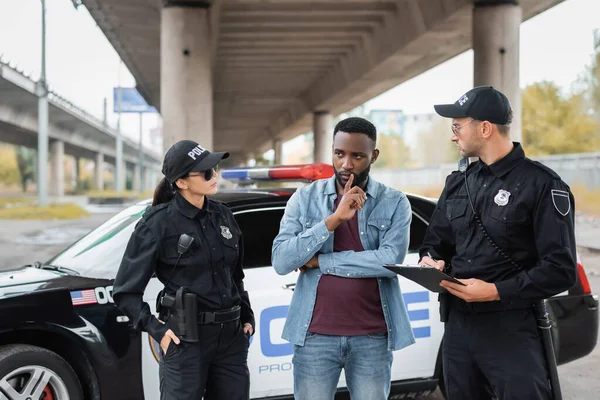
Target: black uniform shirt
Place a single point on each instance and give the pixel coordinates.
(527, 210)
(211, 267)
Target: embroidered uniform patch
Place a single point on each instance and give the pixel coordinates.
(561, 201)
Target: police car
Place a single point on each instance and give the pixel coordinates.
(61, 336)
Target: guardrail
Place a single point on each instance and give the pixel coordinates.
(574, 169)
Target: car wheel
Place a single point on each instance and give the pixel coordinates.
(34, 373)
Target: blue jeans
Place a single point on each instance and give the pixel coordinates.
(318, 364)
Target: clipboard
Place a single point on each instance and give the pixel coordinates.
(426, 276)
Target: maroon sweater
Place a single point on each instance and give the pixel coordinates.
(347, 306)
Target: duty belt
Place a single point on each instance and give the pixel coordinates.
(217, 317)
(487, 306)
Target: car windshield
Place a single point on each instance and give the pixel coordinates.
(98, 254)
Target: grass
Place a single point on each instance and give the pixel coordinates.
(110, 193)
(114, 194)
(13, 201)
(50, 212)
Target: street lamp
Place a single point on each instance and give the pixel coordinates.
(42, 181)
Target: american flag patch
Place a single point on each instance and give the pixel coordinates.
(80, 297)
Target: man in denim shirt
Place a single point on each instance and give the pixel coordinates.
(347, 310)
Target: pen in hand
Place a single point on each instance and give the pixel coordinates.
(435, 263)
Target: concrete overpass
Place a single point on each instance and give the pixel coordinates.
(243, 75)
(71, 131)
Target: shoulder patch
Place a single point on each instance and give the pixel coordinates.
(561, 201)
(545, 168)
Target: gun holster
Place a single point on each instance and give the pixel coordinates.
(181, 313)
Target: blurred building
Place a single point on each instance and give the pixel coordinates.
(390, 122)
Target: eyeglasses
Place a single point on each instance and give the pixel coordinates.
(456, 128)
(208, 174)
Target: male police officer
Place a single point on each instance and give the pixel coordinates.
(504, 227)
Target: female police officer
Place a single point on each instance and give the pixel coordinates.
(194, 246)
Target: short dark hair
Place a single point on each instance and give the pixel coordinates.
(505, 129)
(357, 125)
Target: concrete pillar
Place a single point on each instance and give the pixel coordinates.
(148, 184)
(153, 178)
(137, 178)
(186, 90)
(278, 148)
(323, 136)
(99, 172)
(76, 173)
(57, 168)
(496, 52)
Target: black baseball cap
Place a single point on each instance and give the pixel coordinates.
(188, 156)
(483, 103)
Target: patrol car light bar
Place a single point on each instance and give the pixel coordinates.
(303, 172)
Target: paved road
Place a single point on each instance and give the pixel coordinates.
(23, 242)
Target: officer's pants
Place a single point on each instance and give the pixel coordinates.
(216, 366)
(494, 352)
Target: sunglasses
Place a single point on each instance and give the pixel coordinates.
(208, 174)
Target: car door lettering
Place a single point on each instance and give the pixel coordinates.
(104, 294)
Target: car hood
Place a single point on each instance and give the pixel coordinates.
(29, 279)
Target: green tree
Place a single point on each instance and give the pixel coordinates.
(557, 124)
(594, 74)
(393, 152)
(9, 171)
(588, 82)
(26, 163)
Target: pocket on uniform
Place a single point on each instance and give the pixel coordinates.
(508, 222)
(456, 209)
(509, 215)
(455, 212)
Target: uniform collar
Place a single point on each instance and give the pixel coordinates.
(188, 209)
(506, 164)
(372, 187)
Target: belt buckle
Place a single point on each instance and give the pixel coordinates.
(209, 318)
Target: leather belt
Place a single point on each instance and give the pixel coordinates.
(217, 317)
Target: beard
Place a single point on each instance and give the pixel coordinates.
(359, 179)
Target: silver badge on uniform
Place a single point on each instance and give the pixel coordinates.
(502, 197)
(561, 201)
(225, 232)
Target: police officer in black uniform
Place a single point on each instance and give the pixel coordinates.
(504, 226)
(194, 246)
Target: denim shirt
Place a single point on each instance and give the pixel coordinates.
(384, 226)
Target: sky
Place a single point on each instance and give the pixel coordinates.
(83, 67)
